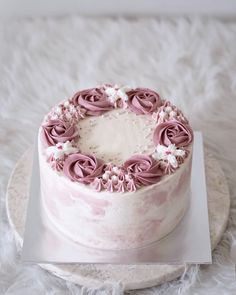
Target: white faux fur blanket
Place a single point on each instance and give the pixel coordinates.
(192, 62)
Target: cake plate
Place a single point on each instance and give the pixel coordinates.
(130, 276)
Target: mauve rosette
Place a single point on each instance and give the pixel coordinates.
(173, 132)
(143, 169)
(55, 131)
(83, 168)
(143, 101)
(94, 100)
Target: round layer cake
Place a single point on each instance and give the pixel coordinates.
(115, 166)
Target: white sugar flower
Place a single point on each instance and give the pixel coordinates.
(115, 93)
(60, 149)
(169, 154)
(112, 94)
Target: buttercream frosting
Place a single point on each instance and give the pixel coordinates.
(83, 168)
(93, 100)
(143, 100)
(55, 131)
(173, 132)
(143, 169)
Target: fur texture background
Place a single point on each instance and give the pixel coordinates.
(190, 61)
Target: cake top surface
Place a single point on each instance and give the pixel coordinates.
(117, 135)
(115, 138)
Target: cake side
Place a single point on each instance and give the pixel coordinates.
(114, 220)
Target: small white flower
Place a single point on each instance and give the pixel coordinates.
(115, 93)
(112, 94)
(169, 154)
(60, 149)
(55, 151)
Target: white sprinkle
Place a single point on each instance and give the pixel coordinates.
(114, 178)
(162, 114)
(66, 103)
(168, 109)
(68, 116)
(115, 169)
(173, 114)
(105, 176)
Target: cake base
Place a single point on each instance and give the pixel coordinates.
(131, 276)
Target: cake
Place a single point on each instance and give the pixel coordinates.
(115, 166)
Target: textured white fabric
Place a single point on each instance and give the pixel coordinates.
(190, 61)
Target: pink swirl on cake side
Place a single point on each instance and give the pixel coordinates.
(83, 168)
(143, 169)
(55, 131)
(173, 132)
(143, 101)
(93, 100)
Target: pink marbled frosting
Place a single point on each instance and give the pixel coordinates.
(114, 221)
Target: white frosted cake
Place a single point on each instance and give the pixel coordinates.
(115, 167)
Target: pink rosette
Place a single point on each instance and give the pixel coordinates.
(143, 169)
(83, 168)
(173, 132)
(93, 100)
(143, 101)
(55, 131)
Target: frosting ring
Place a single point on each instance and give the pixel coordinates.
(172, 137)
